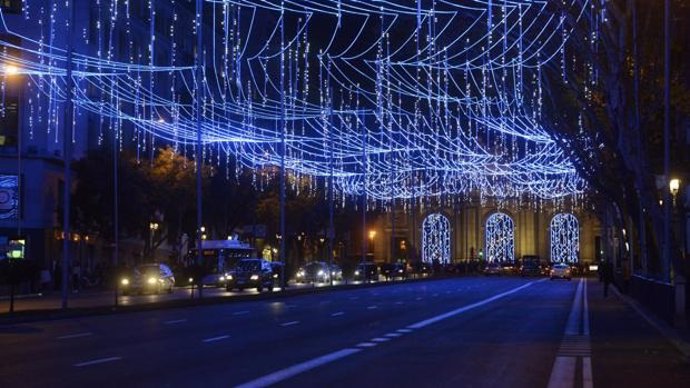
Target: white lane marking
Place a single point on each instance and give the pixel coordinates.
(97, 361)
(366, 345)
(214, 339)
(463, 309)
(77, 335)
(399, 302)
(587, 380)
(372, 307)
(418, 298)
(339, 313)
(289, 323)
(404, 331)
(380, 339)
(393, 335)
(175, 321)
(294, 370)
(563, 373)
(244, 312)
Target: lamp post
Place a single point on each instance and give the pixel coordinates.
(372, 235)
(674, 188)
(153, 227)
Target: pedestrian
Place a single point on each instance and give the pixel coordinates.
(607, 277)
(76, 276)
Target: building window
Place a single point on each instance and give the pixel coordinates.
(500, 238)
(436, 239)
(9, 122)
(565, 238)
(11, 6)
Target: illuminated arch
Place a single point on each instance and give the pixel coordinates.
(500, 238)
(436, 238)
(565, 238)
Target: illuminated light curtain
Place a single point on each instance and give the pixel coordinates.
(500, 238)
(449, 93)
(565, 238)
(436, 239)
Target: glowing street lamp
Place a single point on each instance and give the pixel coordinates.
(11, 69)
(674, 188)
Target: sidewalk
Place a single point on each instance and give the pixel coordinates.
(632, 348)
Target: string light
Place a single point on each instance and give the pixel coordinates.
(444, 106)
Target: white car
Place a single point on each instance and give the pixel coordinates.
(561, 271)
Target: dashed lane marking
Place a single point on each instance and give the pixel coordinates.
(175, 321)
(97, 361)
(380, 339)
(372, 307)
(77, 335)
(286, 373)
(291, 323)
(214, 339)
(366, 345)
(339, 313)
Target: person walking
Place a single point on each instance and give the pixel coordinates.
(607, 277)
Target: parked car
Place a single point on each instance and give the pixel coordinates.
(530, 268)
(252, 273)
(393, 270)
(148, 278)
(421, 269)
(492, 268)
(336, 272)
(367, 271)
(561, 271)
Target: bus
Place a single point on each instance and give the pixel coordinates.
(219, 257)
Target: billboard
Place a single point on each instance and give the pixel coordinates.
(9, 197)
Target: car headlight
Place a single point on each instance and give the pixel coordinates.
(191, 280)
(222, 278)
(152, 281)
(125, 282)
(275, 276)
(356, 273)
(254, 277)
(320, 273)
(300, 274)
(228, 277)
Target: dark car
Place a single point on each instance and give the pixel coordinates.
(393, 271)
(148, 278)
(251, 273)
(314, 272)
(492, 268)
(530, 268)
(367, 271)
(421, 269)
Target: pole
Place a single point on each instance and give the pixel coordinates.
(666, 262)
(116, 210)
(364, 201)
(331, 227)
(199, 152)
(281, 254)
(67, 151)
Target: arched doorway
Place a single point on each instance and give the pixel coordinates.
(565, 238)
(499, 238)
(436, 239)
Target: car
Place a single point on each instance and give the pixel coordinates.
(251, 273)
(493, 268)
(508, 268)
(561, 271)
(336, 271)
(367, 271)
(314, 272)
(393, 271)
(421, 269)
(148, 278)
(530, 268)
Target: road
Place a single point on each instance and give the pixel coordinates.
(479, 332)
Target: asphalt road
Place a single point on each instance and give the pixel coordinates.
(479, 332)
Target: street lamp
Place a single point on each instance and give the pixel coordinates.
(372, 235)
(153, 227)
(674, 188)
(11, 70)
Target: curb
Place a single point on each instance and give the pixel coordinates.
(27, 316)
(666, 331)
